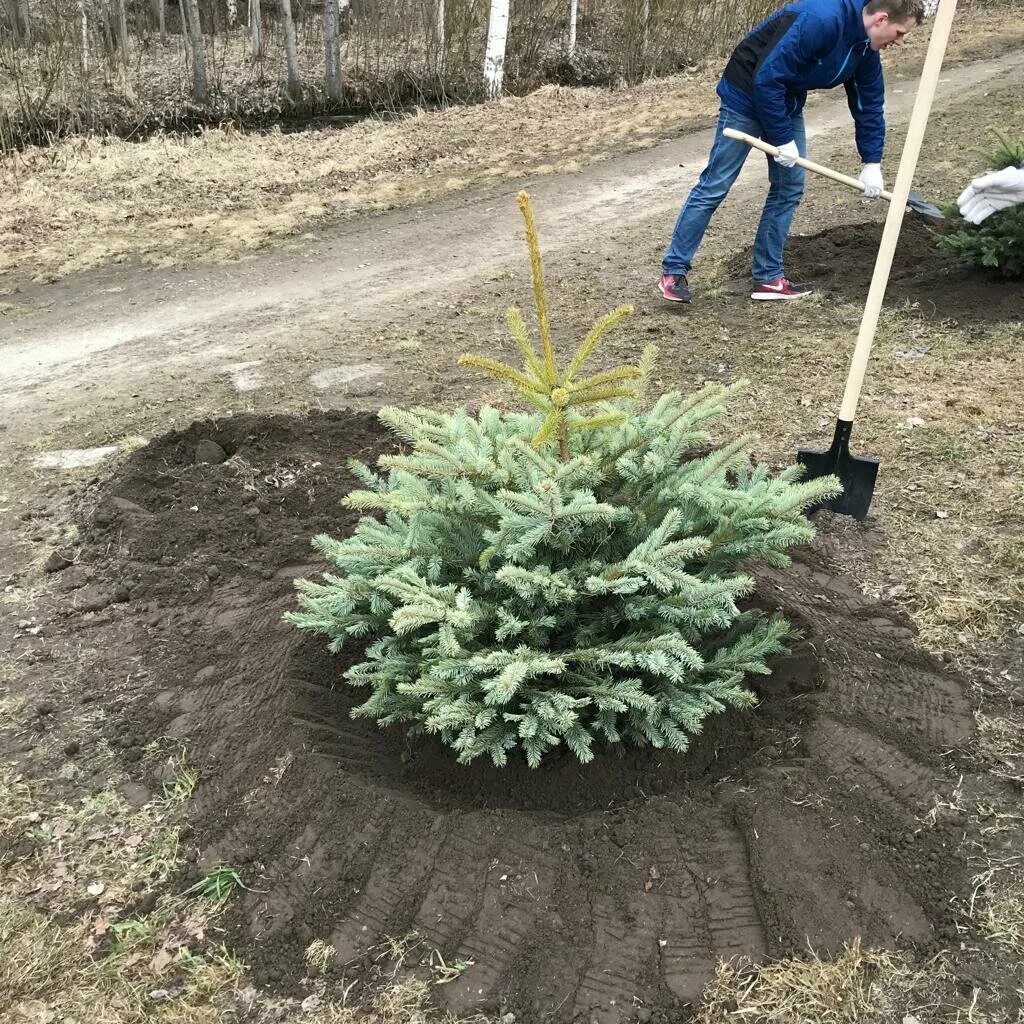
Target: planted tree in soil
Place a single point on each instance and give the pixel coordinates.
(569, 574)
(997, 244)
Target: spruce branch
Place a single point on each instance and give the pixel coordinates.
(517, 327)
(540, 383)
(539, 297)
(504, 372)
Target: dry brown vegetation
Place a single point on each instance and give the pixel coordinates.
(221, 193)
(61, 79)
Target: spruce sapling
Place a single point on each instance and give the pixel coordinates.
(565, 576)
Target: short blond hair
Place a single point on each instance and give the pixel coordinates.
(898, 10)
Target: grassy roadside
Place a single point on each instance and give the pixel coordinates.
(99, 924)
(221, 194)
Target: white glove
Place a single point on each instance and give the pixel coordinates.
(996, 191)
(787, 155)
(872, 180)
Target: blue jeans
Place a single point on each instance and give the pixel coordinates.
(724, 165)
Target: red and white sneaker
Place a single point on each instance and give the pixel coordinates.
(781, 290)
(675, 288)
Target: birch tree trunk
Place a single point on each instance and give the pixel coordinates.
(332, 51)
(232, 13)
(194, 31)
(121, 27)
(83, 18)
(439, 31)
(494, 58)
(573, 8)
(290, 50)
(645, 31)
(255, 30)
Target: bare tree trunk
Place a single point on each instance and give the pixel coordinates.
(194, 31)
(121, 27)
(439, 29)
(83, 16)
(107, 40)
(232, 13)
(25, 17)
(158, 8)
(494, 58)
(290, 50)
(573, 6)
(645, 31)
(332, 51)
(255, 30)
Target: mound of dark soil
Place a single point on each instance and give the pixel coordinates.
(599, 893)
(840, 261)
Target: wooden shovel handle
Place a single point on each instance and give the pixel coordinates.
(809, 165)
(898, 207)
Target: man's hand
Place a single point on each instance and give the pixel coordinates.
(996, 191)
(872, 180)
(787, 155)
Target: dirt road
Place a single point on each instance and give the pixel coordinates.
(122, 331)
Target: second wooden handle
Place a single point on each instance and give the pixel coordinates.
(808, 165)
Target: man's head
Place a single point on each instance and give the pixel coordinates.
(887, 22)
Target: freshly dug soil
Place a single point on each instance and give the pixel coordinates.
(598, 893)
(927, 279)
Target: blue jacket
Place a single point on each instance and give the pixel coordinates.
(809, 44)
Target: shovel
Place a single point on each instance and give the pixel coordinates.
(915, 200)
(857, 473)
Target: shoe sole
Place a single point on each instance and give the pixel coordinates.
(671, 298)
(762, 297)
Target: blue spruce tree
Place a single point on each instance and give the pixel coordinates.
(567, 575)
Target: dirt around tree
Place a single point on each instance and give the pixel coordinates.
(598, 893)
(925, 280)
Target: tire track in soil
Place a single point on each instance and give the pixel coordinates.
(577, 893)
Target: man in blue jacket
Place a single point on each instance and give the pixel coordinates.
(810, 44)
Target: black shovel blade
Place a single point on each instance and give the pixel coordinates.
(919, 204)
(856, 473)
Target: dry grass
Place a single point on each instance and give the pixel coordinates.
(74, 943)
(856, 987)
(862, 986)
(997, 905)
(954, 514)
(222, 194)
